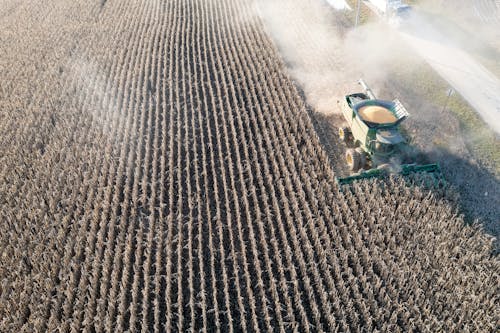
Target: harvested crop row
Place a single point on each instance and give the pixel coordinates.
(168, 178)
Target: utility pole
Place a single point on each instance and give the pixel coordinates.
(357, 13)
(449, 93)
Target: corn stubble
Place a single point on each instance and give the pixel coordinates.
(159, 172)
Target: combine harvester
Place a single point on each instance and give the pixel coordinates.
(373, 137)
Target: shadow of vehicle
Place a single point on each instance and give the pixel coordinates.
(478, 190)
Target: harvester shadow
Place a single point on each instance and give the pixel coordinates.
(326, 127)
(478, 190)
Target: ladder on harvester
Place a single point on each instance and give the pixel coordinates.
(399, 110)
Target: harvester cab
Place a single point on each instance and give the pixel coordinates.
(372, 135)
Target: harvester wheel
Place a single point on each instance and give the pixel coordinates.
(362, 158)
(344, 134)
(353, 159)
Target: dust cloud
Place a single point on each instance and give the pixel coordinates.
(327, 57)
(323, 56)
(88, 76)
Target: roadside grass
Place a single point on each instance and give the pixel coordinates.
(481, 141)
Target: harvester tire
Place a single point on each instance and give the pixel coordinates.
(353, 159)
(344, 134)
(362, 158)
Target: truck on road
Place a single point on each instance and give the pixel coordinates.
(394, 11)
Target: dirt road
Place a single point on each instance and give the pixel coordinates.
(467, 76)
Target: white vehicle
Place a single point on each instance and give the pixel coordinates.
(394, 11)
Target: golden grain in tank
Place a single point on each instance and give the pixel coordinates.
(377, 114)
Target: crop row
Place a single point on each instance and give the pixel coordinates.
(167, 177)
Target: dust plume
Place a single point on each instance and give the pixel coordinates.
(323, 56)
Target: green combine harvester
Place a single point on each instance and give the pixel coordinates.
(373, 138)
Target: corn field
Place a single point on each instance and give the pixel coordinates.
(159, 172)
